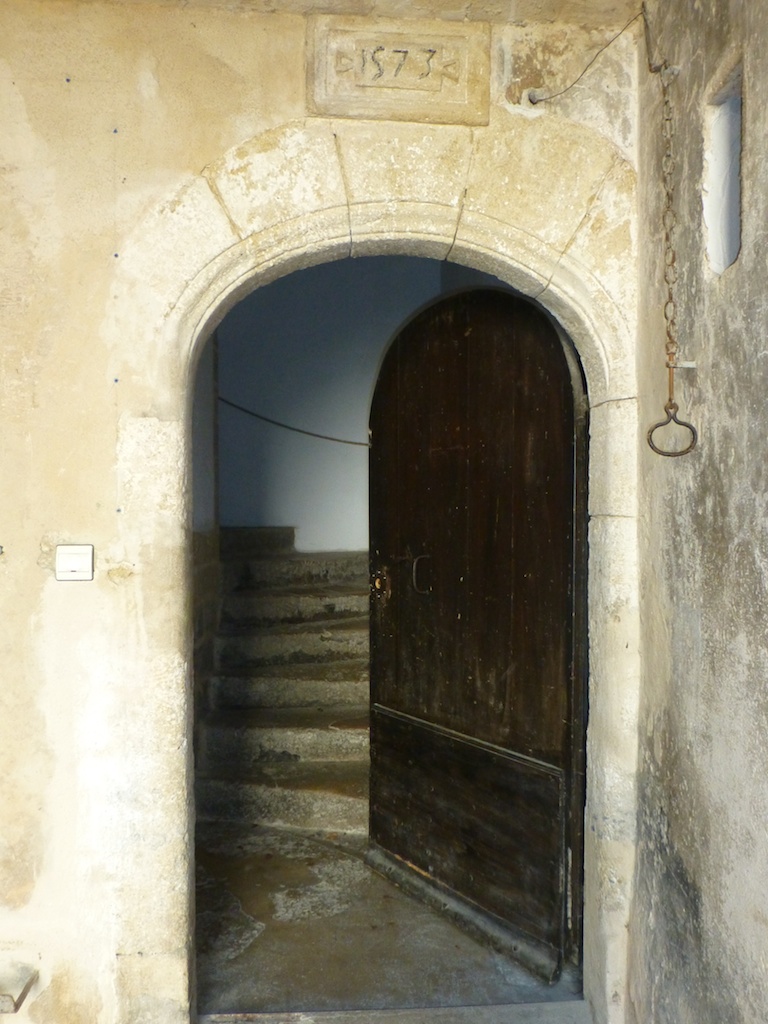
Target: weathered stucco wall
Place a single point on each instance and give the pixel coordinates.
(160, 162)
(104, 112)
(599, 14)
(700, 929)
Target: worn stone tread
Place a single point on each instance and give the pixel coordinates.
(329, 718)
(345, 778)
(311, 627)
(240, 740)
(307, 794)
(238, 646)
(297, 588)
(243, 542)
(284, 739)
(308, 671)
(296, 566)
(246, 693)
(293, 684)
(296, 603)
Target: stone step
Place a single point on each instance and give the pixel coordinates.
(322, 640)
(298, 685)
(297, 603)
(316, 795)
(290, 568)
(232, 743)
(255, 541)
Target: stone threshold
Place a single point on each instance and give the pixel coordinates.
(570, 1012)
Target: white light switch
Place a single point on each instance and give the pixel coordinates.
(74, 562)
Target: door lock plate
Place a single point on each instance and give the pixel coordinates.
(380, 586)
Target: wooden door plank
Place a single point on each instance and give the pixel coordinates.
(474, 444)
(480, 823)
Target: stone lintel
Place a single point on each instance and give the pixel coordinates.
(428, 71)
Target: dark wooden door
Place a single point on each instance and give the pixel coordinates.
(477, 716)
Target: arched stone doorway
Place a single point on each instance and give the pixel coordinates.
(313, 191)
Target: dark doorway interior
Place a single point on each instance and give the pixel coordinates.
(284, 907)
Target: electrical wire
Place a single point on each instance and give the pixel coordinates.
(532, 98)
(287, 426)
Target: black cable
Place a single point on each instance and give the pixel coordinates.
(542, 99)
(287, 426)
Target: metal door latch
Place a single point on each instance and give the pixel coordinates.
(380, 587)
(414, 576)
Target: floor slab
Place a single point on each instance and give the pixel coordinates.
(291, 922)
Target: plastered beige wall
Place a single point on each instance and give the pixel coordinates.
(599, 14)
(159, 163)
(700, 934)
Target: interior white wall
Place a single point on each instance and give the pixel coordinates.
(306, 350)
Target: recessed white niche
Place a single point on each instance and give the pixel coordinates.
(721, 195)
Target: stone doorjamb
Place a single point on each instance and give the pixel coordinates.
(318, 190)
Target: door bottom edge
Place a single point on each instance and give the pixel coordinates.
(537, 957)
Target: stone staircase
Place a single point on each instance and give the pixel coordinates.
(283, 737)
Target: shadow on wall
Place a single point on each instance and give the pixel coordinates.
(306, 350)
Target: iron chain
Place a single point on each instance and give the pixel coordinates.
(669, 222)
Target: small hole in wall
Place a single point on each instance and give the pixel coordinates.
(721, 196)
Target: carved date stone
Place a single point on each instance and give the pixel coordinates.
(432, 71)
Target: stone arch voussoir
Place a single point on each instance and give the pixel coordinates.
(545, 205)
